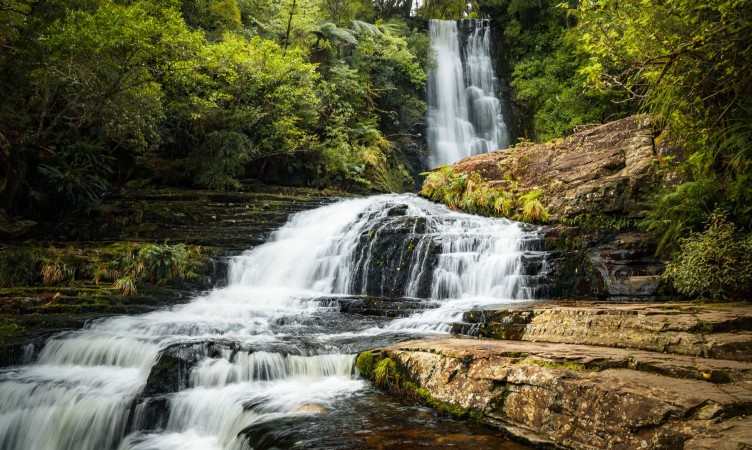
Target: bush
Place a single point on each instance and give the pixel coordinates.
(714, 264)
(532, 209)
(221, 159)
(78, 173)
(126, 265)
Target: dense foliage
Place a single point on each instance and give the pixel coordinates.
(716, 263)
(543, 61)
(688, 64)
(96, 92)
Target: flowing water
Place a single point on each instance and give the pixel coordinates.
(464, 115)
(268, 360)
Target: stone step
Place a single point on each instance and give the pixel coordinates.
(579, 396)
(711, 331)
(383, 307)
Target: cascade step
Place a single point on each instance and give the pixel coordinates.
(680, 328)
(384, 307)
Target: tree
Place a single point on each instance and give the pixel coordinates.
(688, 64)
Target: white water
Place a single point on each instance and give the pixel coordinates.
(279, 353)
(464, 115)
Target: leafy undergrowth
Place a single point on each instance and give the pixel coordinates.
(472, 194)
(123, 266)
(713, 264)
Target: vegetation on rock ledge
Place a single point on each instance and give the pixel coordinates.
(472, 194)
(124, 266)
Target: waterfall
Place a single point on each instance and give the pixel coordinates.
(269, 346)
(464, 115)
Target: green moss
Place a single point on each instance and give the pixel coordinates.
(9, 328)
(365, 364)
(386, 375)
(514, 354)
(597, 221)
(443, 407)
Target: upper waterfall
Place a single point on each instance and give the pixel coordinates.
(464, 115)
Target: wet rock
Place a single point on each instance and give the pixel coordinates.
(384, 307)
(595, 185)
(171, 372)
(399, 210)
(151, 414)
(386, 253)
(273, 434)
(601, 264)
(232, 221)
(309, 408)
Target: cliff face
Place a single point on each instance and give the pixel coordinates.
(603, 171)
(591, 189)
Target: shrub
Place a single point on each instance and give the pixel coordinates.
(446, 186)
(715, 264)
(164, 262)
(473, 194)
(221, 159)
(78, 172)
(126, 265)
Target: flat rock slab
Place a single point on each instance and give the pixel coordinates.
(580, 396)
(712, 331)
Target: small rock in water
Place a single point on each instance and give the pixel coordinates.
(308, 407)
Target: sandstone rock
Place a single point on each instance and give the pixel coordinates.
(309, 408)
(723, 332)
(574, 396)
(381, 306)
(594, 186)
(606, 169)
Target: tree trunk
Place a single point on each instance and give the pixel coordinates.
(289, 25)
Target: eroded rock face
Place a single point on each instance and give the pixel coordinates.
(606, 170)
(593, 263)
(578, 396)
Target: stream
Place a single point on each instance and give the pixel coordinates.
(268, 361)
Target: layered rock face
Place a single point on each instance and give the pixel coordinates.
(573, 389)
(685, 329)
(606, 170)
(594, 186)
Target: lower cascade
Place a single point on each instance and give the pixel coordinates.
(244, 366)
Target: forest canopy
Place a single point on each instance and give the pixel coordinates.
(205, 92)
